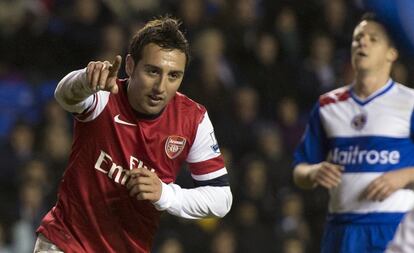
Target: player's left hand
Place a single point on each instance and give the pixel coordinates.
(144, 184)
(385, 185)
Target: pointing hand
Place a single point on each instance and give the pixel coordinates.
(103, 75)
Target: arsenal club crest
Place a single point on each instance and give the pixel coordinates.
(174, 145)
(359, 121)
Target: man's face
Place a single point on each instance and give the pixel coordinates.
(371, 49)
(155, 79)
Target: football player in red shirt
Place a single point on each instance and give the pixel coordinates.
(131, 138)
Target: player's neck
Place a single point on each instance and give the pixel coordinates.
(368, 83)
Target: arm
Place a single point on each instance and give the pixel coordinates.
(211, 197)
(74, 91)
(214, 199)
(301, 176)
(195, 203)
(389, 182)
(308, 176)
(310, 167)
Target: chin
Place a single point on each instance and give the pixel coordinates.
(360, 67)
(153, 110)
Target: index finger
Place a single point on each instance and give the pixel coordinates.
(113, 70)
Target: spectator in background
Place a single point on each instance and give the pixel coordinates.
(193, 17)
(31, 210)
(286, 28)
(256, 189)
(267, 74)
(128, 10)
(54, 142)
(83, 33)
(290, 122)
(171, 245)
(238, 130)
(319, 73)
(224, 241)
(252, 234)
(36, 171)
(291, 221)
(4, 248)
(113, 41)
(212, 78)
(16, 152)
(54, 116)
(337, 25)
(241, 27)
(273, 152)
(292, 244)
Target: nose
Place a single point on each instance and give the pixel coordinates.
(363, 41)
(160, 85)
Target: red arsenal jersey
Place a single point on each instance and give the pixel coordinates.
(94, 212)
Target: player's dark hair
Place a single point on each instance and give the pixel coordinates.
(371, 16)
(164, 32)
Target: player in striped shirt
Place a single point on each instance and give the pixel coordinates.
(359, 145)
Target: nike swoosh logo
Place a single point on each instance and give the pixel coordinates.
(120, 121)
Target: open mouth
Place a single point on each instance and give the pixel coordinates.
(362, 54)
(155, 99)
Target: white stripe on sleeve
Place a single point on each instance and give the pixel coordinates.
(78, 79)
(210, 175)
(205, 145)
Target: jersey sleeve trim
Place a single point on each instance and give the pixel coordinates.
(313, 146)
(218, 181)
(86, 113)
(205, 167)
(209, 176)
(205, 145)
(100, 100)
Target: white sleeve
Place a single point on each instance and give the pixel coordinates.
(213, 197)
(91, 106)
(404, 237)
(205, 145)
(195, 203)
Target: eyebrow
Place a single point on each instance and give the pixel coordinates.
(375, 34)
(177, 72)
(156, 67)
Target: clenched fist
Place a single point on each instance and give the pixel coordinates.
(144, 184)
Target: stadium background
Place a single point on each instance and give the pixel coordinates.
(258, 66)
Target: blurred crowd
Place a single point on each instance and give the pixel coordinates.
(257, 65)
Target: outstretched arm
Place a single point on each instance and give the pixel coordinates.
(74, 89)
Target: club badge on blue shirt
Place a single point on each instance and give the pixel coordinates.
(359, 121)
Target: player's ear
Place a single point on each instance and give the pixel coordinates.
(129, 65)
(392, 54)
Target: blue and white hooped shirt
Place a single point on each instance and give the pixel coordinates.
(368, 137)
